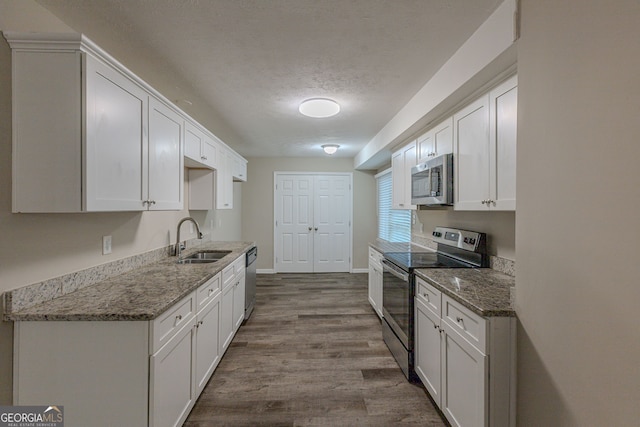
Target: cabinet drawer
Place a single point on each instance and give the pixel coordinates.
(207, 291)
(468, 324)
(170, 322)
(375, 256)
(430, 296)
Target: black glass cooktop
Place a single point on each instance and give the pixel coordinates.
(411, 260)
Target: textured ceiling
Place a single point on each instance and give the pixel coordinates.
(254, 61)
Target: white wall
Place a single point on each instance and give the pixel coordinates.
(257, 200)
(36, 247)
(577, 227)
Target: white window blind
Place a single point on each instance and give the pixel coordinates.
(394, 225)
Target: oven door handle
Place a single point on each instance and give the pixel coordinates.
(387, 266)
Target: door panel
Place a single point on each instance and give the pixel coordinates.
(294, 224)
(313, 214)
(332, 216)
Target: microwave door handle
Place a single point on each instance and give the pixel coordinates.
(394, 270)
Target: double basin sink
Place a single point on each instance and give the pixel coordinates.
(203, 257)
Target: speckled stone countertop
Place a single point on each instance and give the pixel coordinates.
(141, 294)
(484, 291)
(383, 246)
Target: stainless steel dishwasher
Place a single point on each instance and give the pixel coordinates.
(250, 282)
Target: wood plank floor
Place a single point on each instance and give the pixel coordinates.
(311, 355)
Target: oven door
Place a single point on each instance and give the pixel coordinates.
(396, 301)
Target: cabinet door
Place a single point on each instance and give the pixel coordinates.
(166, 174)
(425, 146)
(193, 140)
(207, 343)
(171, 390)
(428, 341)
(378, 289)
(464, 398)
(239, 169)
(226, 318)
(397, 180)
(115, 174)
(443, 138)
(224, 181)
(238, 301)
(503, 136)
(209, 153)
(401, 163)
(471, 156)
(372, 285)
(410, 160)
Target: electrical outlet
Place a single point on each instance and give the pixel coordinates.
(106, 245)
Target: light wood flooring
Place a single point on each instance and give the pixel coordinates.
(311, 355)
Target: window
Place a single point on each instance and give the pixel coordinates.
(394, 225)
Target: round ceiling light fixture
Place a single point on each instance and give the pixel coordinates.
(319, 107)
(330, 148)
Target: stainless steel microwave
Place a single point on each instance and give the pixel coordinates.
(432, 182)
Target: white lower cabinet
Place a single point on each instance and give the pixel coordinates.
(140, 373)
(208, 352)
(171, 390)
(375, 281)
(233, 296)
(465, 361)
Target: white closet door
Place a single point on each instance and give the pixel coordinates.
(294, 223)
(331, 223)
(312, 223)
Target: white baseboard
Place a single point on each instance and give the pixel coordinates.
(359, 270)
(265, 271)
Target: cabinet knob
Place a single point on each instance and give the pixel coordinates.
(315, 228)
(179, 317)
(459, 319)
(203, 157)
(210, 291)
(426, 296)
(153, 202)
(310, 228)
(435, 326)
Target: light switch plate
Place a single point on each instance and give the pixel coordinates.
(106, 245)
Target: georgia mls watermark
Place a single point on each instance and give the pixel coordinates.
(32, 416)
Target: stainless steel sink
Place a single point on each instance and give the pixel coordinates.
(203, 257)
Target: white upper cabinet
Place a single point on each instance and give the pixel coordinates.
(239, 172)
(485, 151)
(224, 180)
(82, 129)
(200, 149)
(436, 142)
(503, 137)
(401, 163)
(166, 167)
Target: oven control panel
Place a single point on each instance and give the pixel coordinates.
(463, 239)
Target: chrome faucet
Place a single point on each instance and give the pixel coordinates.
(198, 234)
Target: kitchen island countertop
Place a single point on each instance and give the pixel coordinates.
(141, 294)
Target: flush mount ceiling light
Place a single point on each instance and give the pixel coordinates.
(330, 148)
(319, 108)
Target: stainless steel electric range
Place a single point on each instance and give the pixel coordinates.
(456, 249)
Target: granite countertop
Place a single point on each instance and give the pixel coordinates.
(383, 246)
(141, 294)
(484, 291)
